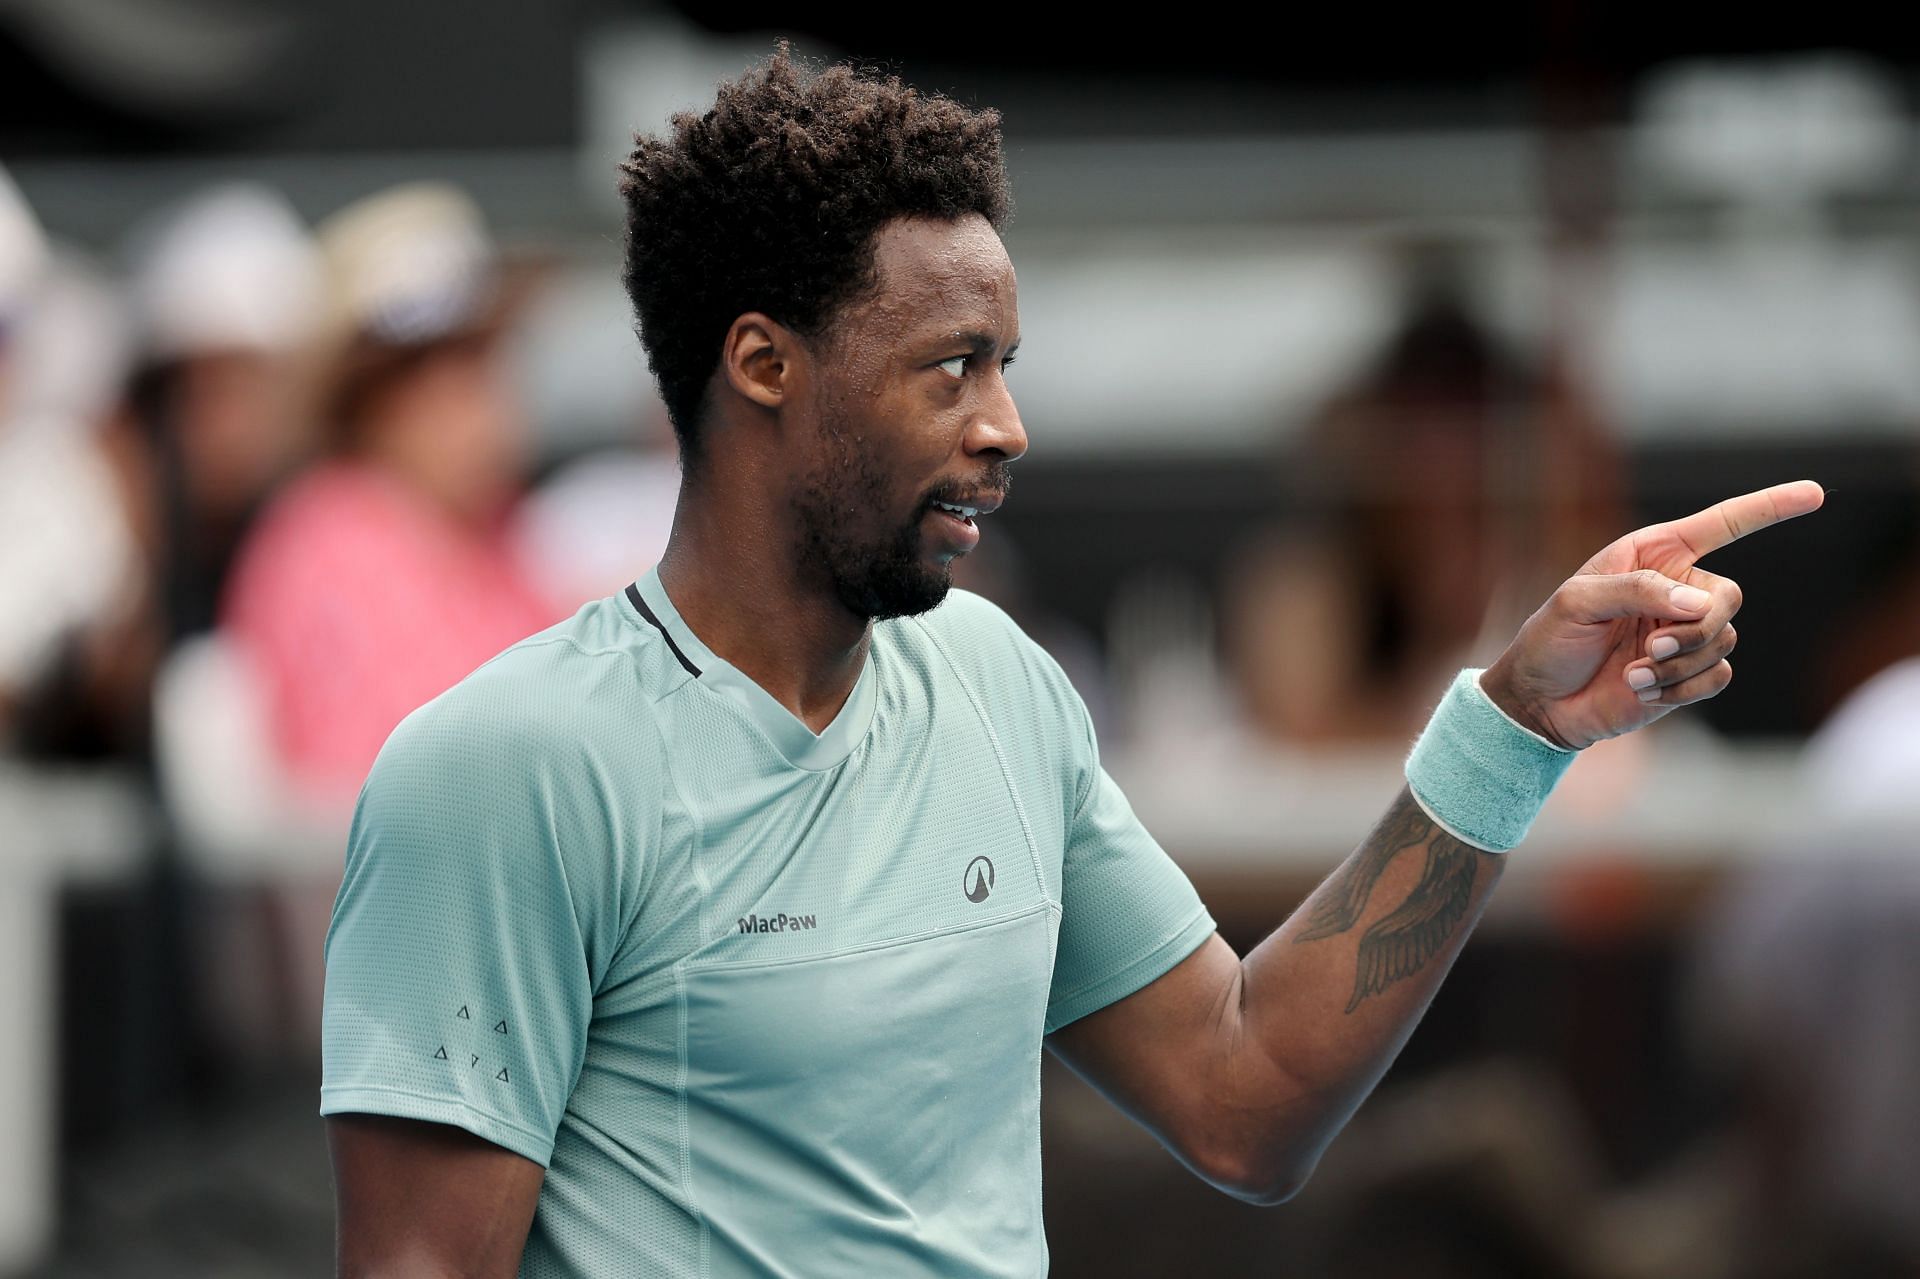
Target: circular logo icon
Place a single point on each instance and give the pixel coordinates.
(978, 881)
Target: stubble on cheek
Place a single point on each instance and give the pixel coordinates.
(846, 537)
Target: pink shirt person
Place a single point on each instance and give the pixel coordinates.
(356, 602)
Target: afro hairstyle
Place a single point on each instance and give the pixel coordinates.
(770, 200)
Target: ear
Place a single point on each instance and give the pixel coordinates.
(762, 359)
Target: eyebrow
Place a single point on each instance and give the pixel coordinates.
(982, 342)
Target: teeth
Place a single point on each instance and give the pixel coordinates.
(965, 512)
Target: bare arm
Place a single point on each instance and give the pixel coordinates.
(1247, 1069)
(1291, 1040)
(427, 1201)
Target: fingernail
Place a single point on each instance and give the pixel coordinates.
(1663, 647)
(1640, 677)
(1650, 694)
(1690, 598)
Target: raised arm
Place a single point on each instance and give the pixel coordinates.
(1247, 1068)
(427, 1201)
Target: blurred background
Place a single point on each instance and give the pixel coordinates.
(1347, 334)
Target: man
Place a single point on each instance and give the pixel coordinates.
(717, 930)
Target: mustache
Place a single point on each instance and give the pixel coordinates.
(990, 488)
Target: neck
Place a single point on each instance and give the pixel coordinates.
(730, 569)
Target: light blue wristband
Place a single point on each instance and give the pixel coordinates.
(1478, 774)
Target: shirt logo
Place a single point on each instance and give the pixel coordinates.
(781, 923)
(977, 882)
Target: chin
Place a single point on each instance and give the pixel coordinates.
(900, 592)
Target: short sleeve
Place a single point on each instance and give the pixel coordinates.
(1128, 912)
(484, 894)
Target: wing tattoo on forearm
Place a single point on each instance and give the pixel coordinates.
(1345, 895)
(1401, 943)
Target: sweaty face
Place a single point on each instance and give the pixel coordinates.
(913, 426)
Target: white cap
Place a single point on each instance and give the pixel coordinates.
(73, 348)
(412, 264)
(407, 268)
(229, 269)
(23, 249)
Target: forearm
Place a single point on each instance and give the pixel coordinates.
(1247, 1067)
(1324, 1005)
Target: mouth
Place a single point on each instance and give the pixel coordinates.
(954, 521)
(965, 511)
(964, 514)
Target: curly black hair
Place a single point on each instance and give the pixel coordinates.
(770, 200)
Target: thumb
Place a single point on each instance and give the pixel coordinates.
(1603, 597)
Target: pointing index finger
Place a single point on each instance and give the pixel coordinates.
(1729, 521)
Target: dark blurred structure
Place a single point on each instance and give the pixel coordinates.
(1879, 622)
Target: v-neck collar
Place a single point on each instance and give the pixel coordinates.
(649, 604)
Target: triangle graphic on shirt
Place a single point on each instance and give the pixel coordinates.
(501, 1028)
(463, 1014)
(442, 1054)
(502, 1076)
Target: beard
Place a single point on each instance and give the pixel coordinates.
(875, 574)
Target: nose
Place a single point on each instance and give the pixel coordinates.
(997, 427)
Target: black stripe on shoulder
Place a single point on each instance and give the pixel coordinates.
(633, 593)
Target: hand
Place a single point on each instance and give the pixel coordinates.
(1639, 630)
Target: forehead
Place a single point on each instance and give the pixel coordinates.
(936, 274)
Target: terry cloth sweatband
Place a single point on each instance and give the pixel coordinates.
(1478, 774)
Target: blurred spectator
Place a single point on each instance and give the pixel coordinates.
(225, 290)
(132, 506)
(381, 577)
(1434, 503)
(1863, 765)
(1807, 980)
(1811, 969)
(76, 642)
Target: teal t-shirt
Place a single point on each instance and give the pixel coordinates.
(762, 1002)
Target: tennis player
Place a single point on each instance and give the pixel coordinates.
(718, 930)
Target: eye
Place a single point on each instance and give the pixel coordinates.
(956, 366)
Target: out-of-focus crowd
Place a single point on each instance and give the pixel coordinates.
(264, 490)
(261, 494)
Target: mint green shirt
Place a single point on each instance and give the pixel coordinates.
(762, 1002)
